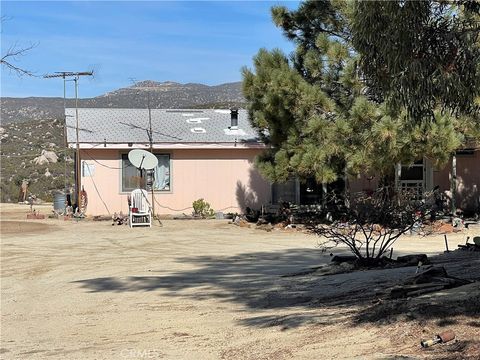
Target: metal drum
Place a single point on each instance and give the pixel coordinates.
(59, 201)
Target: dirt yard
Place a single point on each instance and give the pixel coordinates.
(212, 290)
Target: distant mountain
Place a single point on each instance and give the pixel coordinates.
(31, 108)
(166, 94)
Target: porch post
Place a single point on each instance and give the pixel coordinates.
(398, 175)
(324, 195)
(453, 183)
(297, 191)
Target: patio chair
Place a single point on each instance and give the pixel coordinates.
(139, 212)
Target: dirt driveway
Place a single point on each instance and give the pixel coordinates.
(187, 290)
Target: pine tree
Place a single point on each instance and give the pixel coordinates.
(421, 55)
(319, 116)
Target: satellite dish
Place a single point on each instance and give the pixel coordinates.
(142, 159)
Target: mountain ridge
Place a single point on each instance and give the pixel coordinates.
(142, 94)
(32, 125)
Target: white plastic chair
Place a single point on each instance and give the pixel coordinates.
(143, 214)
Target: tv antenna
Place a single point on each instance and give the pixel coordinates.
(72, 76)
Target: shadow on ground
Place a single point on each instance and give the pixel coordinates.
(444, 307)
(254, 280)
(248, 278)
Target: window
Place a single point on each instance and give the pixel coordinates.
(159, 177)
(284, 192)
(412, 179)
(413, 172)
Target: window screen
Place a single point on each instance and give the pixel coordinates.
(159, 177)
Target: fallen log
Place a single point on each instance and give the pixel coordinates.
(407, 290)
(431, 280)
(413, 259)
(425, 291)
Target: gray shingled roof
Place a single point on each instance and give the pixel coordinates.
(169, 126)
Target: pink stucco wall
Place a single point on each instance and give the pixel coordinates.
(225, 178)
(468, 180)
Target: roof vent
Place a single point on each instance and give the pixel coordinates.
(198, 130)
(234, 119)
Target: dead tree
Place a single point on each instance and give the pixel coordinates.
(371, 223)
(13, 54)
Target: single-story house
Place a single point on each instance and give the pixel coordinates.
(205, 154)
(209, 154)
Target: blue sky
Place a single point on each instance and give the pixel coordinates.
(204, 42)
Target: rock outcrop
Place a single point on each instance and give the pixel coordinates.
(46, 157)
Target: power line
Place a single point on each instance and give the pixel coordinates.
(99, 163)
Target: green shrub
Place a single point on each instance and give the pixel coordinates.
(202, 208)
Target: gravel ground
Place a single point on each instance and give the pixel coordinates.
(211, 290)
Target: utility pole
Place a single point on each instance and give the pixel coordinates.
(76, 76)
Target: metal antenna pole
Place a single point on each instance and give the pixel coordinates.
(65, 152)
(77, 153)
(76, 77)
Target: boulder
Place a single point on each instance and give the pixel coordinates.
(46, 157)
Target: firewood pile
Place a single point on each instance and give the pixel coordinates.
(434, 278)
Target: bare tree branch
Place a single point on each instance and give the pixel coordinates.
(13, 54)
